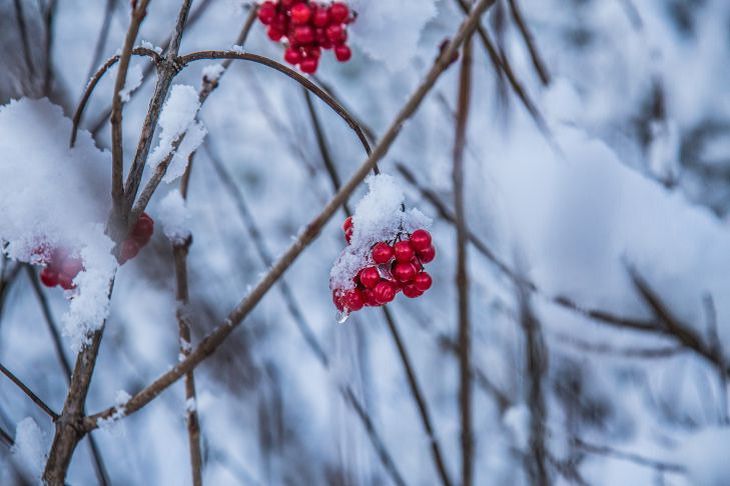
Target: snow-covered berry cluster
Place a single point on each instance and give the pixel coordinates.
(393, 266)
(307, 28)
(61, 265)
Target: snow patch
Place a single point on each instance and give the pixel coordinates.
(174, 215)
(30, 447)
(134, 80)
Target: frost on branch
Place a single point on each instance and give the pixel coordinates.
(56, 197)
(178, 119)
(134, 80)
(30, 447)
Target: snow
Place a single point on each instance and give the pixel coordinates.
(382, 24)
(212, 72)
(174, 216)
(191, 405)
(178, 119)
(378, 217)
(53, 196)
(30, 447)
(149, 45)
(517, 422)
(705, 456)
(134, 80)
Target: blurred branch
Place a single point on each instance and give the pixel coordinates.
(628, 456)
(41, 404)
(103, 36)
(216, 337)
(711, 314)
(25, 41)
(49, 16)
(6, 438)
(462, 277)
(6, 279)
(537, 61)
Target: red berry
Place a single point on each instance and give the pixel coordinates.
(347, 224)
(143, 229)
(304, 34)
(292, 56)
(313, 51)
(338, 12)
(353, 300)
(300, 13)
(427, 255)
(267, 12)
(274, 33)
(422, 281)
(369, 277)
(343, 53)
(403, 251)
(348, 235)
(420, 239)
(280, 22)
(411, 291)
(66, 281)
(309, 65)
(320, 17)
(287, 3)
(48, 277)
(404, 272)
(71, 267)
(368, 296)
(336, 34)
(382, 252)
(384, 292)
(128, 250)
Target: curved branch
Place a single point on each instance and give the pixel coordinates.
(137, 51)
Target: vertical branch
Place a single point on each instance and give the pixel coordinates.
(48, 19)
(23, 29)
(537, 61)
(462, 279)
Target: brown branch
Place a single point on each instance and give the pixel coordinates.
(215, 338)
(19, 383)
(537, 61)
(49, 16)
(103, 36)
(462, 277)
(628, 456)
(139, 12)
(137, 51)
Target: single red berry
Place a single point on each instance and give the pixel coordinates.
(353, 300)
(338, 12)
(347, 224)
(309, 65)
(280, 22)
(411, 291)
(348, 235)
(427, 255)
(369, 277)
(143, 229)
(314, 51)
(267, 12)
(48, 277)
(66, 281)
(304, 34)
(404, 271)
(320, 17)
(403, 251)
(384, 292)
(382, 252)
(336, 34)
(292, 56)
(274, 33)
(343, 53)
(71, 267)
(420, 239)
(300, 13)
(128, 250)
(422, 281)
(368, 296)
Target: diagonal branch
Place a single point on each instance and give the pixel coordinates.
(19, 383)
(537, 61)
(216, 337)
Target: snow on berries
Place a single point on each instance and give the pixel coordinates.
(306, 28)
(387, 249)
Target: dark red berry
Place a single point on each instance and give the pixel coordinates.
(336, 34)
(143, 229)
(309, 65)
(320, 17)
(422, 281)
(353, 300)
(304, 34)
(411, 291)
(267, 12)
(274, 33)
(368, 296)
(313, 51)
(427, 255)
(420, 239)
(338, 12)
(48, 277)
(384, 292)
(348, 235)
(128, 250)
(404, 271)
(66, 281)
(343, 53)
(347, 224)
(403, 251)
(287, 3)
(369, 277)
(292, 56)
(382, 252)
(300, 13)
(280, 22)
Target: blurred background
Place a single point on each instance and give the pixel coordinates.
(597, 169)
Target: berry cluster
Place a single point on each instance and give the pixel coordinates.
(397, 265)
(308, 28)
(61, 267)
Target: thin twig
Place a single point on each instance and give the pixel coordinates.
(41, 404)
(216, 337)
(629, 456)
(103, 36)
(49, 16)
(462, 277)
(23, 29)
(537, 61)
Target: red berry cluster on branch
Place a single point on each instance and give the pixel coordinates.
(308, 27)
(138, 237)
(395, 266)
(61, 269)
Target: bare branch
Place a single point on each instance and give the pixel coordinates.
(629, 456)
(103, 36)
(23, 29)
(215, 338)
(41, 404)
(711, 314)
(537, 61)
